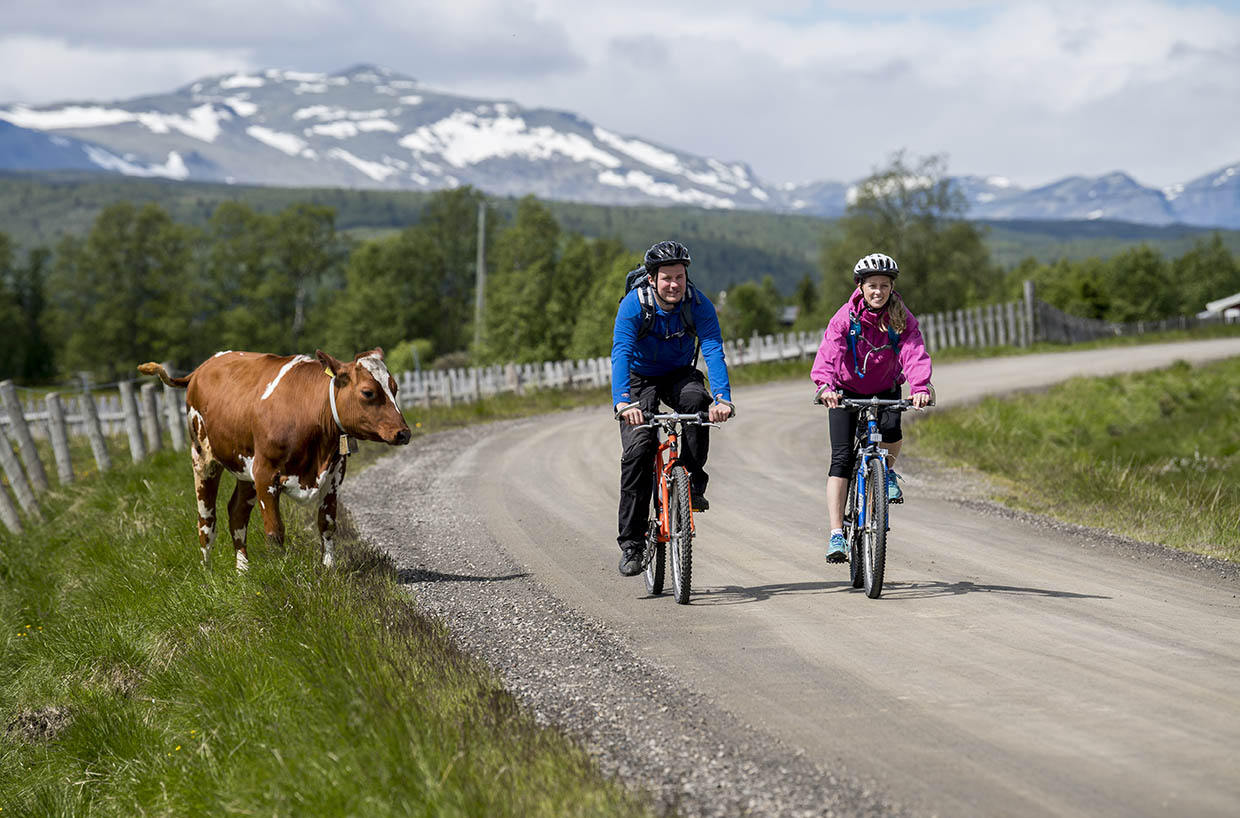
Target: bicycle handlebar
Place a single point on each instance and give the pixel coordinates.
(694, 418)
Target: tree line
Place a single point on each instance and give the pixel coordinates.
(140, 285)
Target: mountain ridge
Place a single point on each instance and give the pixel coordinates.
(370, 127)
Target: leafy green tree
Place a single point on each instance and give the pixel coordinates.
(35, 355)
(124, 294)
(912, 212)
(806, 297)
(392, 294)
(1140, 286)
(1205, 273)
(304, 248)
(236, 267)
(596, 310)
(524, 283)
(10, 314)
(451, 220)
(749, 308)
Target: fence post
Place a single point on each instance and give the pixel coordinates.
(133, 426)
(150, 418)
(1030, 294)
(17, 479)
(172, 409)
(8, 513)
(94, 431)
(58, 431)
(21, 433)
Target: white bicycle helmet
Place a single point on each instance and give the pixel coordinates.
(875, 264)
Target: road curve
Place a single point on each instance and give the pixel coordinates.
(1010, 668)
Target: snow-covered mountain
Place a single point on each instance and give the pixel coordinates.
(370, 127)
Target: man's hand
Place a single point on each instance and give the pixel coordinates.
(719, 412)
(631, 413)
(920, 400)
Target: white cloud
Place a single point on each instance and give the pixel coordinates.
(41, 69)
(799, 89)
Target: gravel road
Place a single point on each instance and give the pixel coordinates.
(1014, 666)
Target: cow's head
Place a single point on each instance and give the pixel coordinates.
(366, 398)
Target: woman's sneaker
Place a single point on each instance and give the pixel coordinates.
(837, 551)
(894, 495)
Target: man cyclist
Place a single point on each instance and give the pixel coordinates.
(659, 325)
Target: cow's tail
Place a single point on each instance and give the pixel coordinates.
(153, 368)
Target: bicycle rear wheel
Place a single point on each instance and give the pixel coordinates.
(853, 536)
(874, 534)
(680, 518)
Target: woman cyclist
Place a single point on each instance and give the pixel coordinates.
(871, 346)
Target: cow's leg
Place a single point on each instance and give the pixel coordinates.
(207, 473)
(267, 485)
(327, 513)
(239, 507)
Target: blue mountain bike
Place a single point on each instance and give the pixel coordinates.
(865, 511)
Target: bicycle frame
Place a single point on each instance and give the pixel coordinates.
(863, 454)
(670, 448)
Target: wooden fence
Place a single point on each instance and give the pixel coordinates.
(147, 414)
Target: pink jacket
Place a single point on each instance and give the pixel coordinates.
(834, 364)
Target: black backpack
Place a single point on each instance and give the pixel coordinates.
(637, 278)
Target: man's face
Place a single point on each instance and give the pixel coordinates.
(669, 283)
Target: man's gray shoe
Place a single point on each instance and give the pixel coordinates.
(631, 559)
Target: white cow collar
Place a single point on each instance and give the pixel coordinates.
(331, 396)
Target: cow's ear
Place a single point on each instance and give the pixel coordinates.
(376, 352)
(331, 366)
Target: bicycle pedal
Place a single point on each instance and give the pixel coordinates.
(897, 500)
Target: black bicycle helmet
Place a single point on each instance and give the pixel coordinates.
(875, 264)
(665, 252)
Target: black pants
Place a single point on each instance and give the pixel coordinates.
(842, 425)
(684, 390)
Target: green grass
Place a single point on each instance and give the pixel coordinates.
(1155, 455)
(134, 682)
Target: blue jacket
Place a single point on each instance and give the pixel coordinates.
(657, 353)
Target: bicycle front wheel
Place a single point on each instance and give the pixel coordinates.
(852, 535)
(681, 530)
(874, 534)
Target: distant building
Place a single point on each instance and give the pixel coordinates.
(1227, 308)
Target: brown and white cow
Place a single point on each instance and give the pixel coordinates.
(277, 423)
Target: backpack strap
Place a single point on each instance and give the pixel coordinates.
(645, 298)
(854, 332)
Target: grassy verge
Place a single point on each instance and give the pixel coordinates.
(133, 682)
(1154, 455)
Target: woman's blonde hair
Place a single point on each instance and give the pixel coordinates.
(897, 315)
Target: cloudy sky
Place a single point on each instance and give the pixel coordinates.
(800, 89)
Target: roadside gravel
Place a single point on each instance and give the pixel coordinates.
(641, 726)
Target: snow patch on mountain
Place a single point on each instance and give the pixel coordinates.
(375, 170)
(464, 138)
(664, 190)
(174, 168)
(289, 143)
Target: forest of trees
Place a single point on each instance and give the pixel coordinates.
(140, 285)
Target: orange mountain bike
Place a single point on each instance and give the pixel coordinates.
(671, 516)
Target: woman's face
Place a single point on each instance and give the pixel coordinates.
(876, 290)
